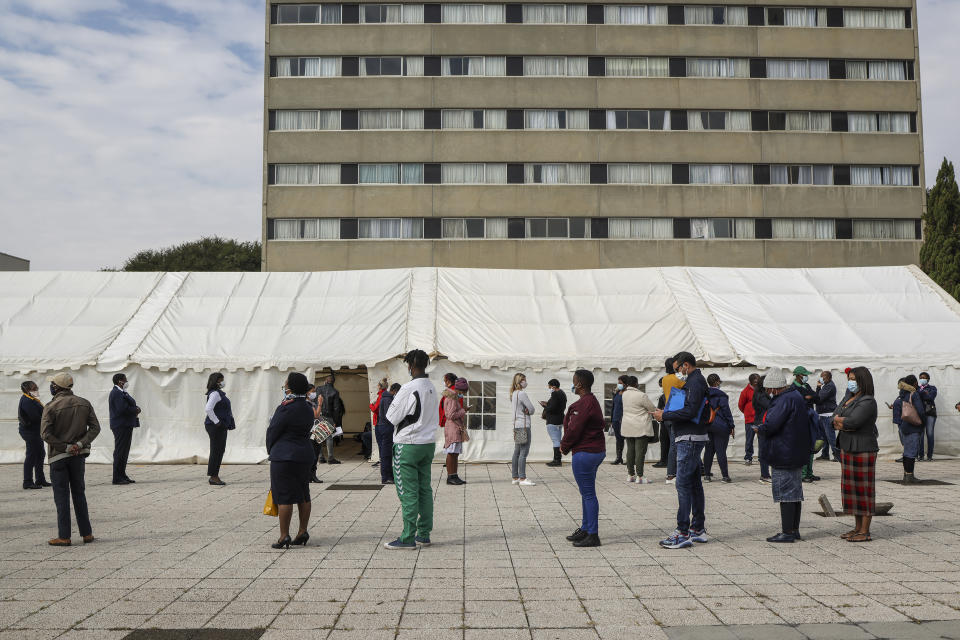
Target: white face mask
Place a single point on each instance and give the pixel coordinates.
(523, 384)
(312, 395)
(220, 385)
(924, 382)
(125, 386)
(681, 376)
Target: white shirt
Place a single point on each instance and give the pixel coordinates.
(522, 409)
(418, 402)
(212, 401)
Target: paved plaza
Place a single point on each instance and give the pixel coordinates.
(173, 552)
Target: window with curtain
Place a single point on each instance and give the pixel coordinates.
(289, 120)
(553, 173)
(330, 13)
(875, 18)
(884, 230)
(820, 121)
(390, 228)
(495, 66)
(544, 66)
(635, 14)
(496, 173)
(411, 173)
(462, 173)
(461, 119)
(379, 173)
(307, 229)
(718, 67)
(461, 65)
(659, 119)
(545, 119)
(866, 176)
(576, 14)
(413, 119)
(644, 228)
(791, 174)
(626, 67)
(413, 14)
(496, 227)
(823, 174)
(380, 119)
(473, 13)
(861, 122)
(495, 119)
(413, 66)
(804, 17)
(307, 67)
(578, 119)
(803, 229)
(713, 228)
(898, 176)
(634, 173)
(895, 18)
(297, 174)
(381, 66)
(798, 69)
(381, 13)
(547, 227)
(287, 230)
(698, 14)
(460, 228)
(856, 69)
(544, 14)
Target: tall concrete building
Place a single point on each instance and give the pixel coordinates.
(756, 133)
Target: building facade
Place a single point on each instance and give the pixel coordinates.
(13, 263)
(755, 133)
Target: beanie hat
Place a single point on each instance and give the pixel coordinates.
(775, 379)
(461, 384)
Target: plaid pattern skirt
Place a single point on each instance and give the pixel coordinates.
(857, 482)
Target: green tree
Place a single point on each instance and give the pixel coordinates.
(940, 253)
(206, 254)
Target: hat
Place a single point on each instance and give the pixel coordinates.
(775, 379)
(62, 380)
(848, 370)
(461, 384)
(801, 371)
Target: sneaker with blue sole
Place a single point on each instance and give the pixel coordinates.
(699, 536)
(423, 542)
(676, 541)
(399, 544)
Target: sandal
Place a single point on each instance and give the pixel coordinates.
(860, 537)
(846, 535)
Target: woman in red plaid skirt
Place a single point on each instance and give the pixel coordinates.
(856, 423)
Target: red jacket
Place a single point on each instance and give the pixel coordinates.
(443, 414)
(583, 427)
(375, 407)
(746, 405)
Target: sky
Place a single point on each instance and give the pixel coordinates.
(137, 124)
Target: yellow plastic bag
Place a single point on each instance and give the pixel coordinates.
(269, 507)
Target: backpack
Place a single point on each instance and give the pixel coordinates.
(816, 433)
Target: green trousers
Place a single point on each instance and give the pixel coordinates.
(411, 476)
(636, 454)
(808, 468)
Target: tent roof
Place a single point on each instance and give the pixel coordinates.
(609, 319)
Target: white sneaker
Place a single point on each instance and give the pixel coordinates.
(516, 482)
(671, 480)
(527, 483)
(642, 480)
(631, 479)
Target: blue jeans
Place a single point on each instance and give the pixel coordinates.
(672, 456)
(929, 423)
(555, 431)
(826, 425)
(585, 473)
(748, 443)
(689, 486)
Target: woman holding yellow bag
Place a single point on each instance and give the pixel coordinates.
(291, 459)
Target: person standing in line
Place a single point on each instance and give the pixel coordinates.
(583, 435)
(218, 422)
(670, 381)
(928, 393)
(522, 409)
(787, 446)
(28, 415)
(761, 403)
(384, 434)
(800, 378)
(745, 404)
(636, 428)
(553, 413)
(291, 457)
(616, 417)
(856, 423)
(455, 428)
(68, 425)
(449, 379)
(332, 408)
(415, 412)
(124, 418)
(314, 400)
(690, 436)
(375, 412)
(664, 439)
(720, 430)
(826, 403)
(910, 429)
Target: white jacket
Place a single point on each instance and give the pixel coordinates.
(521, 409)
(637, 409)
(415, 413)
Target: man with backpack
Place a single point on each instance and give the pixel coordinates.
(689, 421)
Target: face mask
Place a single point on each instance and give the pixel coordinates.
(312, 395)
(820, 381)
(681, 377)
(620, 387)
(573, 389)
(34, 393)
(523, 384)
(220, 385)
(852, 386)
(805, 378)
(924, 382)
(53, 390)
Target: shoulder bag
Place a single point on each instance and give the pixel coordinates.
(908, 412)
(521, 435)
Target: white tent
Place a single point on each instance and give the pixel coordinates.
(167, 332)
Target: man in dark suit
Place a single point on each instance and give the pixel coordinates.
(123, 420)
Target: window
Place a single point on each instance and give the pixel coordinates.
(803, 229)
(473, 13)
(462, 228)
(645, 228)
(798, 69)
(876, 70)
(637, 67)
(548, 228)
(884, 230)
(381, 13)
(718, 120)
(901, 176)
(390, 228)
(304, 174)
(550, 119)
(546, 13)
(705, 14)
(305, 67)
(634, 14)
(482, 399)
(554, 65)
(639, 173)
(711, 228)
(462, 119)
(799, 121)
(718, 67)
(473, 173)
(797, 17)
(721, 174)
(380, 119)
(875, 18)
(557, 173)
(473, 65)
(307, 14)
(392, 66)
(873, 122)
(307, 229)
(288, 120)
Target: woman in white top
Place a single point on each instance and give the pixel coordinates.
(636, 428)
(522, 409)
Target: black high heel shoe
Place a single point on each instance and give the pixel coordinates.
(281, 544)
(301, 539)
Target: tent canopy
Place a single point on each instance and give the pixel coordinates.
(607, 319)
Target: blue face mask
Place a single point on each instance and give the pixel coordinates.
(620, 387)
(573, 389)
(852, 386)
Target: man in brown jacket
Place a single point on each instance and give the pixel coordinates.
(68, 426)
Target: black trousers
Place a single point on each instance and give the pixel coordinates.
(385, 446)
(366, 444)
(122, 437)
(66, 475)
(664, 443)
(33, 463)
(218, 444)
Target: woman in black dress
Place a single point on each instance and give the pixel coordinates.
(291, 458)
